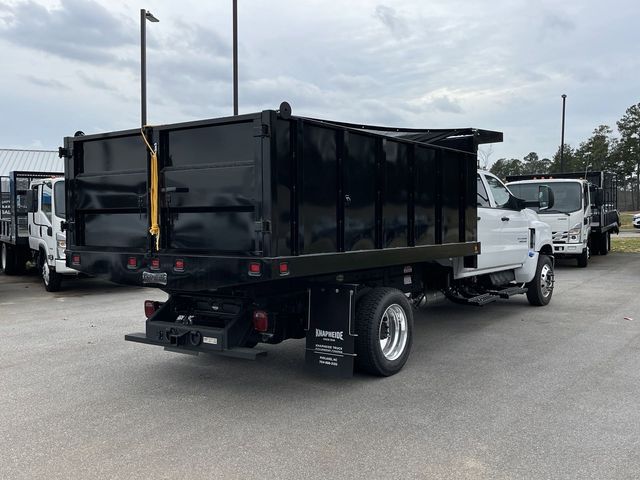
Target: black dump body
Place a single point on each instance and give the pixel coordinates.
(262, 197)
(605, 208)
(14, 224)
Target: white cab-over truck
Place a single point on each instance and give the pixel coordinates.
(585, 211)
(33, 212)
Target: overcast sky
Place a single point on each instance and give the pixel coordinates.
(497, 64)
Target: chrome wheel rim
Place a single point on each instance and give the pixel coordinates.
(45, 273)
(393, 332)
(546, 280)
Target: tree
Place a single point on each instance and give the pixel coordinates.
(484, 155)
(503, 167)
(532, 164)
(569, 160)
(628, 151)
(597, 150)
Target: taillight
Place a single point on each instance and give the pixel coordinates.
(254, 269)
(150, 307)
(260, 320)
(284, 268)
(75, 259)
(132, 262)
(155, 264)
(178, 265)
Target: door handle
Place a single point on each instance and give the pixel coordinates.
(505, 219)
(477, 218)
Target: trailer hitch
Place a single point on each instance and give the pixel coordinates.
(175, 337)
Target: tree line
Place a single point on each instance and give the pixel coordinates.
(606, 149)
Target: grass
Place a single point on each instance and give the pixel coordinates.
(625, 245)
(625, 219)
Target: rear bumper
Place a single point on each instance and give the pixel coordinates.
(187, 344)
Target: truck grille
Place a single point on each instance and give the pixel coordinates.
(559, 237)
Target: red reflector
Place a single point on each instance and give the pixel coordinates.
(260, 320)
(75, 259)
(284, 268)
(179, 265)
(132, 262)
(254, 269)
(155, 263)
(150, 307)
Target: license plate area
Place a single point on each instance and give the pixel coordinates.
(154, 278)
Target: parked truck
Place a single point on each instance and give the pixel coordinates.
(585, 212)
(266, 227)
(31, 220)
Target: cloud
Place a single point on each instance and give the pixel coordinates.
(390, 19)
(81, 30)
(46, 82)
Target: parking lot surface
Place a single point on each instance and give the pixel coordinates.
(504, 391)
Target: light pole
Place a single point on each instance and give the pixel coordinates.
(564, 102)
(235, 57)
(144, 16)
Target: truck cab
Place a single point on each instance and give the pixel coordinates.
(570, 217)
(47, 239)
(511, 235)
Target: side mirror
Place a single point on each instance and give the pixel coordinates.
(546, 198)
(63, 226)
(32, 201)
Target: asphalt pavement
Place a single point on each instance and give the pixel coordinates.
(506, 391)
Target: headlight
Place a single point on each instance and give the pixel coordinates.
(575, 233)
(61, 241)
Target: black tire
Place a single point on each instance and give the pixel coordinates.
(369, 324)
(583, 258)
(9, 259)
(605, 243)
(595, 242)
(51, 279)
(540, 289)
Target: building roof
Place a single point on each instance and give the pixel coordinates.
(29, 160)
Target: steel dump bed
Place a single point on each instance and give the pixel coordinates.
(262, 197)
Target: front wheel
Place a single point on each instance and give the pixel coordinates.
(583, 258)
(384, 323)
(51, 279)
(540, 289)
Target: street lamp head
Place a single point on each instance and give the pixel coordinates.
(564, 95)
(149, 16)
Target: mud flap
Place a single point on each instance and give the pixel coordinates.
(330, 347)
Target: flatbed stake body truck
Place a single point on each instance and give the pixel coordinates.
(585, 213)
(272, 227)
(31, 225)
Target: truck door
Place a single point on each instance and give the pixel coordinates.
(488, 228)
(41, 231)
(510, 227)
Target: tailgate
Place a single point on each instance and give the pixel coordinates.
(209, 185)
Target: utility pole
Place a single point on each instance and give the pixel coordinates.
(235, 57)
(564, 102)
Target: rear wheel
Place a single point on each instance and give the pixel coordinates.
(605, 243)
(540, 289)
(384, 323)
(8, 259)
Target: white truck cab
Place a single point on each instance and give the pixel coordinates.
(47, 240)
(570, 217)
(516, 253)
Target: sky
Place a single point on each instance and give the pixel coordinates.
(502, 65)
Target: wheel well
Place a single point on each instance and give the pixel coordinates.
(546, 250)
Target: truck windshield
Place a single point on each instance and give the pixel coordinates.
(567, 195)
(58, 193)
